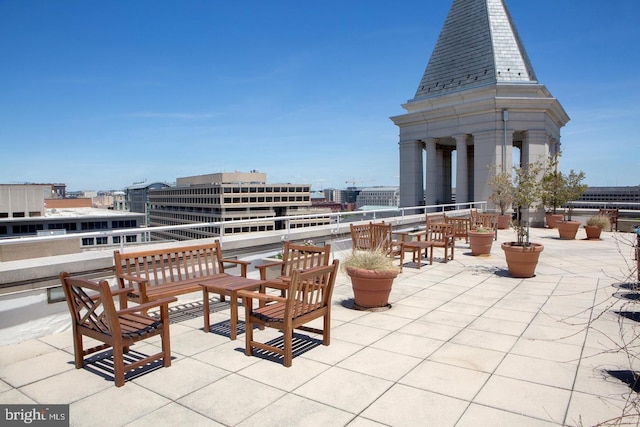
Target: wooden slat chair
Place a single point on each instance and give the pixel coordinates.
(94, 315)
(361, 237)
(473, 215)
(460, 226)
(308, 298)
(295, 257)
(382, 239)
(486, 220)
(442, 237)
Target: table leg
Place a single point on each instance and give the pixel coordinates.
(233, 306)
(205, 308)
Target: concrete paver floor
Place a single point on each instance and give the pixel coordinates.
(464, 344)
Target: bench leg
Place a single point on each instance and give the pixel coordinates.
(205, 309)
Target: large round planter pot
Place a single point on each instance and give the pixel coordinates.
(480, 243)
(553, 219)
(503, 221)
(371, 288)
(568, 229)
(522, 260)
(593, 232)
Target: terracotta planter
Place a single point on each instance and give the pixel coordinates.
(553, 219)
(371, 288)
(522, 260)
(503, 221)
(568, 229)
(593, 232)
(480, 243)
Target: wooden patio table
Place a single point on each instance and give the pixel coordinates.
(417, 246)
(229, 286)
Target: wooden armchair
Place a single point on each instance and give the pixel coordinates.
(441, 236)
(94, 315)
(382, 239)
(361, 237)
(308, 298)
(294, 257)
(460, 226)
(486, 220)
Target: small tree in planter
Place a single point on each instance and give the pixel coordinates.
(501, 194)
(522, 255)
(551, 191)
(572, 188)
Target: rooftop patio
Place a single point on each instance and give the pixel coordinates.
(464, 344)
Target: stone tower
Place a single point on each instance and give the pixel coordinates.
(478, 99)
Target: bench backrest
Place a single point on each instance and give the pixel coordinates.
(160, 266)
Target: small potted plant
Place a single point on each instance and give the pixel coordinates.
(501, 195)
(595, 225)
(481, 240)
(372, 274)
(522, 255)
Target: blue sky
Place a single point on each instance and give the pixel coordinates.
(102, 94)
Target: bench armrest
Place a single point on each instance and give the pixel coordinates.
(269, 264)
(148, 305)
(260, 296)
(263, 268)
(243, 265)
(120, 291)
(140, 281)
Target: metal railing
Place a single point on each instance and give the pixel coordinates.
(399, 215)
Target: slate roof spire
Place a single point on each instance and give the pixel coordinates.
(478, 46)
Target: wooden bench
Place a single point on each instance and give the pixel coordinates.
(159, 273)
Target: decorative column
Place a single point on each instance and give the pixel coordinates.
(431, 184)
(535, 146)
(411, 173)
(462, 169)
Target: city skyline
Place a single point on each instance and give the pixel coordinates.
(102, 95)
